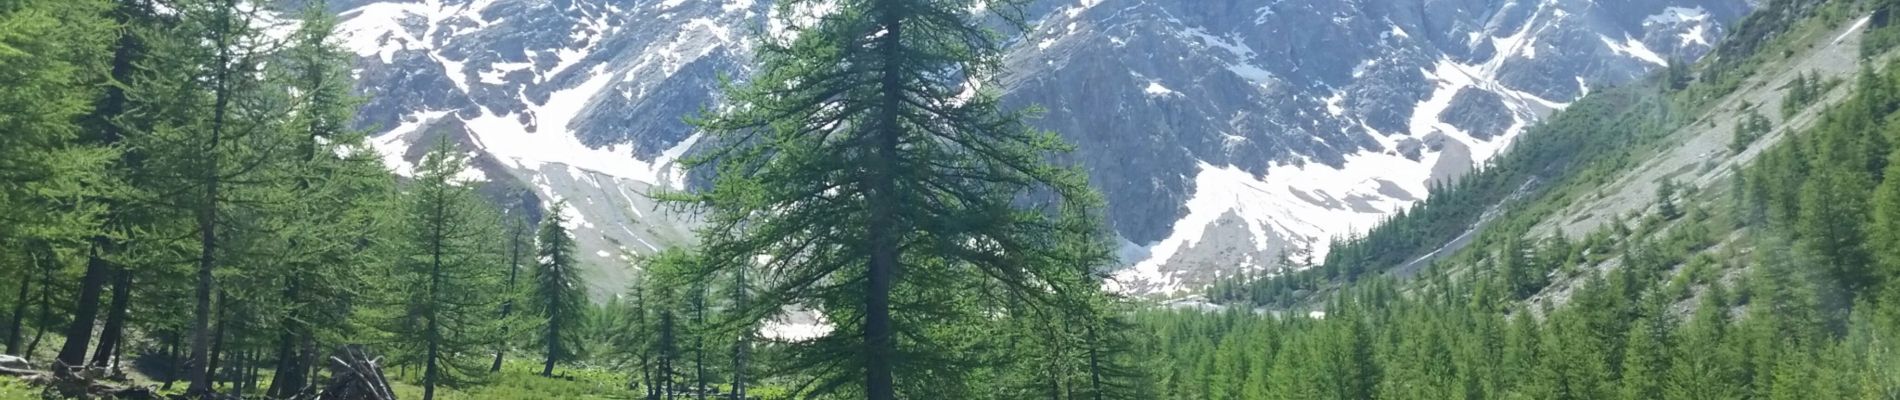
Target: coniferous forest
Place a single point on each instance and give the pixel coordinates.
(188, 210)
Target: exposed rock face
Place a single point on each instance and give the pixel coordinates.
(1223, 132)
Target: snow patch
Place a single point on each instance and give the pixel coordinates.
(804, 14)
(1396, 32)
(454, 70)
(1696, 34)
(395, 143)
(1676, 15)
(1335, 104)
(470, 173)
(1242, 55)
(1262, 14)
(1155, 89)
(497, 71)
(1268, 206)
(552, 142)
(1634, 48)
(796, 326)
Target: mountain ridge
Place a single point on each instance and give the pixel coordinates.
(1245, 148)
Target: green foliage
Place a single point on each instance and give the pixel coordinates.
(1881, 36)
(855, 175)
(559, 297)
(445, 285)
(1802, 92)
(1658, 323)
(49, 48)
(51, 175)
(1751, 128)
(1578, 148)
(1666, 199)
(11, 388)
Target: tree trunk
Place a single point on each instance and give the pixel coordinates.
(699, 340)
(514, 270)
(252, 360)
(236, 372)
(879, 339)
(1095, 363)
(111, 338)
(435, 281)
(646, 378)
(86, 307)
(289, 378)
(46, 301)
(172, 357)
(666, 378)
(310, 361)
(740, 301)
(18, 325)
(554, 340)
(216, 356)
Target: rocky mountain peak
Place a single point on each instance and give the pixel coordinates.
(1224, 133)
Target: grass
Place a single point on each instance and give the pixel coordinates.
(517, 380)
(14, 389)
(521, 380)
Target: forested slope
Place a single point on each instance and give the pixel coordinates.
(1649, 265)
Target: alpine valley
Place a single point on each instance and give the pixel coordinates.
(1226, 135)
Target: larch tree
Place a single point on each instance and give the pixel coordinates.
(869, 174)
(446, 282)
(520, 240)
(208, 129)
(660, 300)
(328, 199)
(53, 55)
(559, 298)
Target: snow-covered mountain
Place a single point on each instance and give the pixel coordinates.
(1223, 132)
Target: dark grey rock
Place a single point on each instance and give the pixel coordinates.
(1478, 113)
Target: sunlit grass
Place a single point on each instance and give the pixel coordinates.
(522, 380)
(11, 389)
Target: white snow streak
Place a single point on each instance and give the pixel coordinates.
(1851, 29)
(1633, 48)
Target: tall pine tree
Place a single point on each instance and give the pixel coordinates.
(559, 297)
(446, 282)
(869, 165)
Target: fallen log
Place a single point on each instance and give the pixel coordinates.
(355, 375)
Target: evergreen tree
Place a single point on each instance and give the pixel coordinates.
(328, 204)
(205, 124)
(854, 154)
(664, 276)
(1885, 228)
(54, 55)
(559, 298)
(1701, 366)
(1644, 360)
(1666, 200)
(446, 282)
